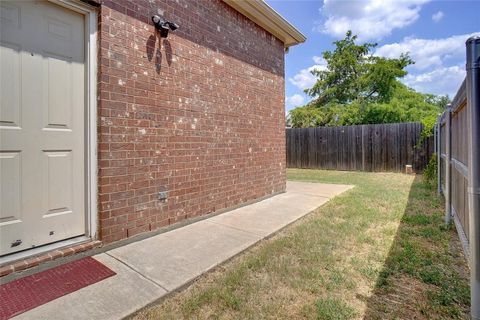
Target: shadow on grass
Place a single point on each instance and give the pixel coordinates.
(425, 275)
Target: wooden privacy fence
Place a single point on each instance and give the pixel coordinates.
(375, 147)
(457, 136)
(452, 145)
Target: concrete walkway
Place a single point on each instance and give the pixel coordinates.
(149, 269)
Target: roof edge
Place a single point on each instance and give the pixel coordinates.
(266, 17)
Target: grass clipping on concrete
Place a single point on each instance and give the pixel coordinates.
(378, 251)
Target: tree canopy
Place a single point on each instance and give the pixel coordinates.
(360, 88)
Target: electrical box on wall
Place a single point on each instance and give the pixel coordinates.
(162, 196)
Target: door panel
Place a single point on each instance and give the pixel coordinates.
(58, 77)
(42, 124)
(10, 85)
(10, 201)
(58, 184)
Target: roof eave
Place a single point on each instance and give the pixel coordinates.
(266, 17)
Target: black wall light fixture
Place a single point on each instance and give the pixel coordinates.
(164, 26)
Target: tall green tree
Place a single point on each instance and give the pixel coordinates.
(354, 74)
(360, 88)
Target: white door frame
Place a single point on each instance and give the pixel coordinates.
(90, 138)
(91, 177)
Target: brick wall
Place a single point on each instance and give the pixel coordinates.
(199, 115)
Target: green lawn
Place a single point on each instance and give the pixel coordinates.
(378, 251)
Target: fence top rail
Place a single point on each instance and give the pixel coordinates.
(458, 102)
(360, 125)
(441, 118)
(460, 98)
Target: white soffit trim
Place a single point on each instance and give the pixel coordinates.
(266, 17)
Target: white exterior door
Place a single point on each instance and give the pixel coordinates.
(42, 124)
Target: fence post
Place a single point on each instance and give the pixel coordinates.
(435, 137)
(448, 164)
(473, 105)
(439, 157)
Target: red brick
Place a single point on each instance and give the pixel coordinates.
(67, 252)
(43, 258)
(204, 123)
(55, 254)
(20, 265)
(32, 262)
(90, 245)
(6, 270)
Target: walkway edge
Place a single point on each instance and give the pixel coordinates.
(215, 267)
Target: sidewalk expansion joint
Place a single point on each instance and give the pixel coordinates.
(312, 195)
(138, 272)
(238, 229)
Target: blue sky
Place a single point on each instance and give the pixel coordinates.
(433, 32)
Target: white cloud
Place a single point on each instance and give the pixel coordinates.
(438, 16)
(369, 19)
(441, 81)
(304, 79)
(294, 101)
(320, 61)
(439, 63)
(439, 67)
(428, 52)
